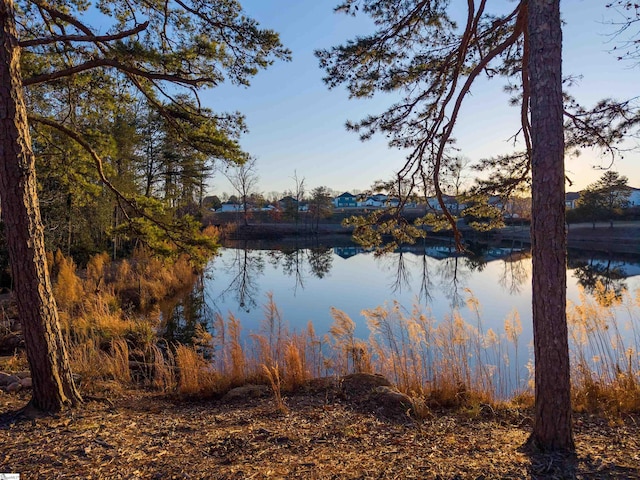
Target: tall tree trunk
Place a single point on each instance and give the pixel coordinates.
(53, 386)
(552, 425)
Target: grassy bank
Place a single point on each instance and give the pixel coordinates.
(180, 425)
(111, 319)
(469, 416)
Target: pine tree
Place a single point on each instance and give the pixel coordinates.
(150, 46)
(418, 51)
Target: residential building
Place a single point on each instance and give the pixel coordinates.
(570, 200)
(230, 206)
(346, 200)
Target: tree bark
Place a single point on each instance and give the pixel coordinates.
(53, 386)
(552, 428)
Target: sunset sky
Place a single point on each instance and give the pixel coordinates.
(297, 125)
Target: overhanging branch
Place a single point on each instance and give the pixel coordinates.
(108, 62)
(100, 168)
(83, 38)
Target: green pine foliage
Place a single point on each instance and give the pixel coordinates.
(124, 146)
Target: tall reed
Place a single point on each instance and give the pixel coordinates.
(449, 362)
(605, 366)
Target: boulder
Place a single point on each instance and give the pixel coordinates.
(3, 379)
(246, 392)
(10, 343)
(375, 393)
(391, 403)
(14, 387)
(359, 385)
(7, 379)
(26, 382)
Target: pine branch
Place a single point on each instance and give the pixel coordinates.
(83, 38)
(108, 62)
(73, 135)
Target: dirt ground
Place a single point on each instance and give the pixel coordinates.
(140, 435)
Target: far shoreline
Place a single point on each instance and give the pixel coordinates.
(623, 237)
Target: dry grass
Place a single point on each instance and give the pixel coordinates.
(443, 364)
(273, 375)
(605, 334)
(108, 319)
(446, 363)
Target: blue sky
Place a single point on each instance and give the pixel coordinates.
(297, 125)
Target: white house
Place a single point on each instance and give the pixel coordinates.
(377, 200)
(450, 202)
(230, 207)
(570, 200)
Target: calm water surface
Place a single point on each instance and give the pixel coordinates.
(306, 282)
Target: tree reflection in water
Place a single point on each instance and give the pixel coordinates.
(453, 269)
(598, 271)
(182, 316)
(247, 265)
(432, 270)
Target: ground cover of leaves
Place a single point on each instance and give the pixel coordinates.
(147, 436)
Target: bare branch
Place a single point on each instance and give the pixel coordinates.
(83, 38)
(446, 134)
(108, 62)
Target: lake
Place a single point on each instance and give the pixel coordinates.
(306, 280)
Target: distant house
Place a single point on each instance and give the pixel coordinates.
(345, 200)
(230, 207)
(377, 200)
(289, 203)
(450, 202)
(570, 200)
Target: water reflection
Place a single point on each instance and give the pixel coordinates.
(308, 279)
(185, 314)
(453, 269)
(246, 266)
(300, 263)
(601, 276)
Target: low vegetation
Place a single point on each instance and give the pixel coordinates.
(470, 390)
(111, 320)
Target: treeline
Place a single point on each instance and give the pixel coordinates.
(159, 177)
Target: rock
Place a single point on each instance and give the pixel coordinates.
(320, 385)
(3, 379)
(7, 379)
(14, 387)
(10, 343)
(390, 402)
(376, 394)
(26, 382)
(359, 385)
(246, 392)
